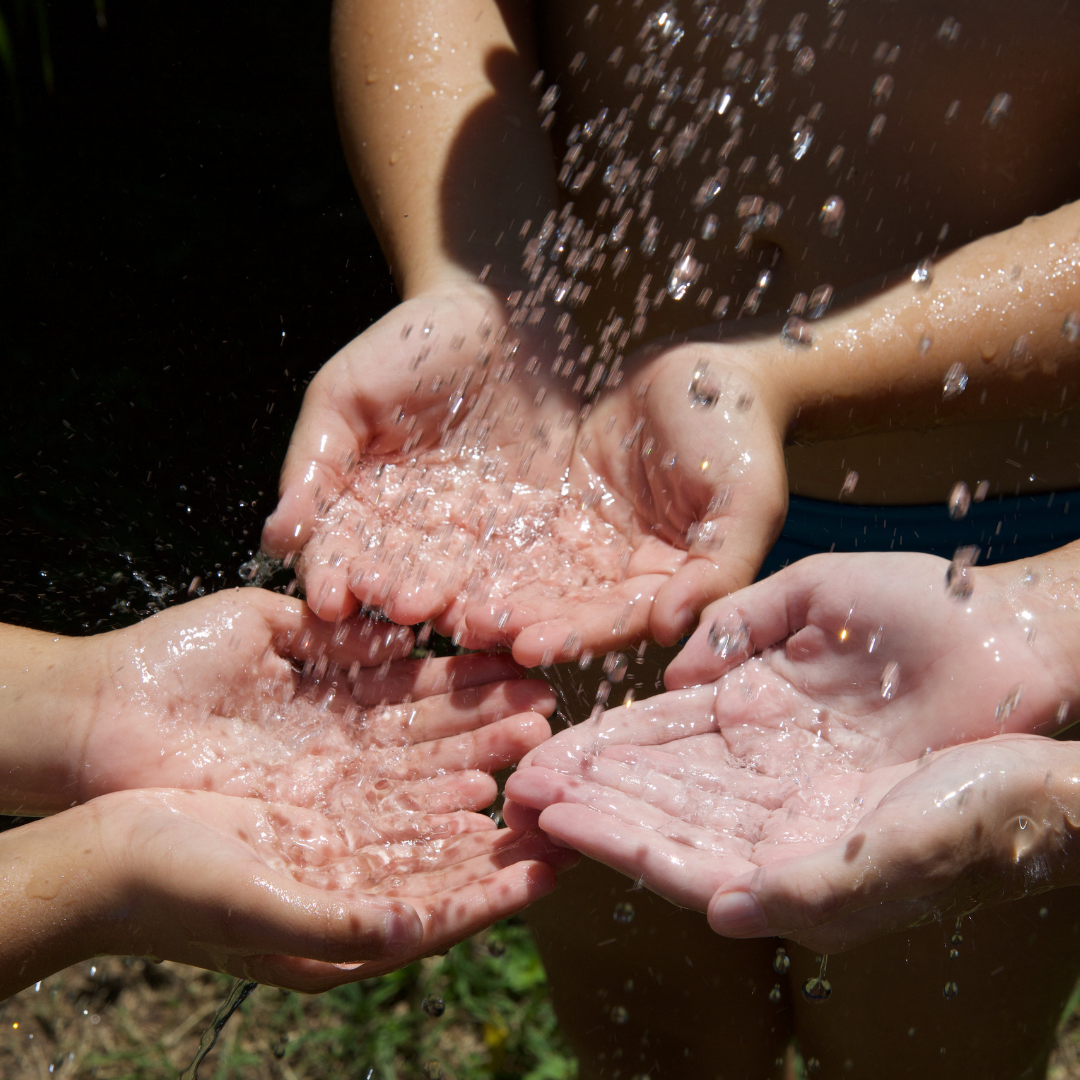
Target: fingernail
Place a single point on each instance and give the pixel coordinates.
(403, 932)
(737, 914)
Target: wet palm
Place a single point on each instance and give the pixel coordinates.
(248, 693)
(280, 895)
(583, 534)
(865, 663)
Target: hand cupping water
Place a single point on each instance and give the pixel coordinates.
(850, 778)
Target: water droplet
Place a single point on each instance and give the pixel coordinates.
(804, 61)
(781, 962)
(923, 274)
(959, 578)
(615, 666)
(591, 14)
(954, 954)
(953, 111)
(836, 155)
(959, 501)
(1070, 330)
(802, 138)
(851, 481)
(957, 938)
(432, 1070)
(1062, 713)
(817, 990)
(882, 90)
(877, 126)
(955, 382)
(796, 331)
(1044, 913)
(729, 637)
(496, 949)
(951, 990)
(766, 90)
(775, 996)
(624, 912)
(708, 226)
(948, 32)
(820, 301)
(703, 390)
(998, 109)
(619, 1015)
(812, 1065)
(874, 639)
(585, 660)
(433, 1006)
(684, 273)
(890, 680)
(1009, 704)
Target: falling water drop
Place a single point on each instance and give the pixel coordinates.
(615, 666)
(953, 111)
(1070, 330)
(959, 578)
(954, 954)
(781, 962)
(624, 912)
(998, 109)
(877, 126)
(796, 331)
(1009, 704)
(851, 480)
(923, 274)
(619, 1015)
(804, 61)
(775, 996)
(433, 1006)
(812, 1065)
(874, 639)
(890, 680)
(703, 391)
(729, 637)
(238, 993)
(951, 990)
(955, 382)
(959, 501)
(683, 274)
(432, 1070)
(818, 990)
(820, 301)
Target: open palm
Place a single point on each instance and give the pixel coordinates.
(248, 693)
(868, 662)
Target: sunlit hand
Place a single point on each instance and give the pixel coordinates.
(786, 753)
(444, 409)
(672, 490)
(684, 467)
(277, 894)
(248, 693)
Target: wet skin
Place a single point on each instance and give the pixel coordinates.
(921, 174)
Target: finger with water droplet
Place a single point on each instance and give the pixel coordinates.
(674, 870)
(464, 710)
(299, 633)
(760, 615)
(417, 679)
(600, 625)
(494, 747)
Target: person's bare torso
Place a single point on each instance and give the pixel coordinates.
(934, 124)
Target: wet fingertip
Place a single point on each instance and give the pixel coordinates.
(403, 931)
(737, 915)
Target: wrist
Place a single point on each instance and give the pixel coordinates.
(49, 686)
(57, 897)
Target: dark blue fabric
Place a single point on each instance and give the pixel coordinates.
(1003, 528)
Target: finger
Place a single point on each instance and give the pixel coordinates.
(488, 749)
(749, 621)
(417, 679)
(600, 625)
(323, 443)
(436, 718)
(520, 817)
(298, 633)
(665, 866)
(720, 823)
(326, 589)
(413, 588)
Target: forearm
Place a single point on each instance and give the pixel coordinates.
(996, 307)
(441, 132)
(51, 897)
(45, 686)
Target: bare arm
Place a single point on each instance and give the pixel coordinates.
(998, 318)
(441, 132)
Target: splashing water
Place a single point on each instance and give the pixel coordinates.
(238, 994)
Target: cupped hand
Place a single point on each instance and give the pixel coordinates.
(248, 693)
(280, 894)
(683, 467)
(449, 407)
(590, 534)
